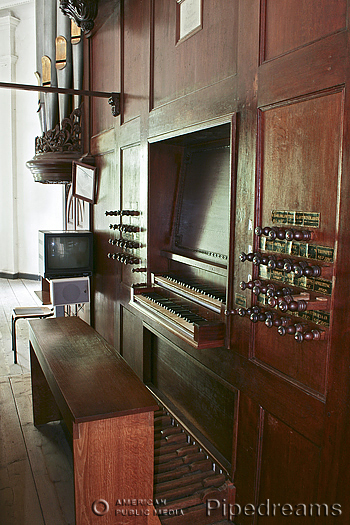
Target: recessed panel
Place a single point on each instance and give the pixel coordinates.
(105, 71)
(196, 392)
(301, 146)
(202, 225)
(288, 25)
(288, 477)
(200, 60)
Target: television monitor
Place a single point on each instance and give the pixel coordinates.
(65, 253)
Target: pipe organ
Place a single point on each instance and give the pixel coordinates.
(222, 238)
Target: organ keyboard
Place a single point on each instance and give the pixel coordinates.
(193, 310)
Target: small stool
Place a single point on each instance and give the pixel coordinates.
(26, 312)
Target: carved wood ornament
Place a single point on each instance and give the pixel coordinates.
(83, 12)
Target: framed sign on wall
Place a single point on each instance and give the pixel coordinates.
(84, 180)
(189, 18)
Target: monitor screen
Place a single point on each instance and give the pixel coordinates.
(68, 252)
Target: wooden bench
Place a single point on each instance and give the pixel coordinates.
(78, 377)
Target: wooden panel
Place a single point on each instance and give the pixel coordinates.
(132, 341)
(105, 56)
(289, 25)
(122, 471)
(289, 473)
(247, 453)
(165, 166)
(204, 59)
(320, 65)
(201, 396)
(201, 225)
(136, 57)
(301, 146)
(277, 470)
(131, 200)
(106, 271)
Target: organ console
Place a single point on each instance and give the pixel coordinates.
(189, 248)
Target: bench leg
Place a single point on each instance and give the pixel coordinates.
(14, 343)
(45, 408)
(113, 460)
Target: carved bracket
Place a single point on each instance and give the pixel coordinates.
(83, 12)
(114, 102)
(66, 137)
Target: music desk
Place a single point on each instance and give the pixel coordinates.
(78, 377)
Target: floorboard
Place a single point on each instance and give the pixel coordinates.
(36, 468)
(19, 500)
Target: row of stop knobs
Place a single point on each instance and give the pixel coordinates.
(284, 297)
(288, 234)
(122, 213)
(299, 268)
(123, 258)
(124, 243)
(130, 228)
(285, 326)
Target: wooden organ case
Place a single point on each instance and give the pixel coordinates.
(230, 297)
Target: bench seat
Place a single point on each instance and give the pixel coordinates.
(78, 377)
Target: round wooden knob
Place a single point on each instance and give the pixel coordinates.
(272, 234)
(312, 271)
(316, 334)
(285, 320)
(272, 263)
(288, 265)
(257, 259)
(308, 336)
(258, 231)
(289, 235)
(277, 321)
(299, 337)
(283, 306)
(302, 235)
(272, 301)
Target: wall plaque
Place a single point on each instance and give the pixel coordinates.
(188, 18)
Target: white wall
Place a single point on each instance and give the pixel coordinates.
(25, 206)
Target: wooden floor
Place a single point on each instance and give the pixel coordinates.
(36, 469)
